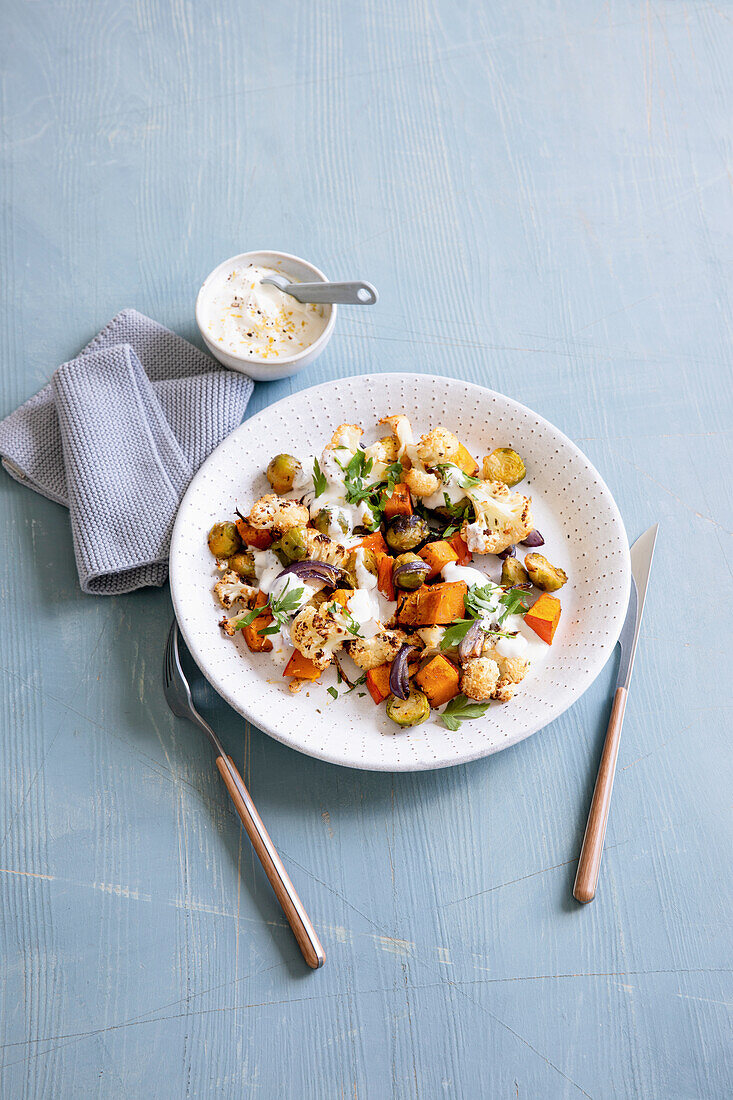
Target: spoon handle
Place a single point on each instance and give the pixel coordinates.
(353, 294)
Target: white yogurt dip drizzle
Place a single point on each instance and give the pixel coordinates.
(258, 321)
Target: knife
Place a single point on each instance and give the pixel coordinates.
(589, 863)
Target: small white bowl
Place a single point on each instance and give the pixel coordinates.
(264, 369)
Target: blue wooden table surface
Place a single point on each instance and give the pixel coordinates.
(542, 194)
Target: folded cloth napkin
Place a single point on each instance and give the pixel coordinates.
(116, 436)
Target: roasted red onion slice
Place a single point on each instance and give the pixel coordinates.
(510, 552)
(534, 538)
(399, 680)
(472, 642)
(314, 571)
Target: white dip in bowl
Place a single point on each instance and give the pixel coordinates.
(256, 328)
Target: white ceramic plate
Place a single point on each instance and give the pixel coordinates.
(572, 507)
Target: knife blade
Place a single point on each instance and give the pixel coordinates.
(589, 864)
(642, 554)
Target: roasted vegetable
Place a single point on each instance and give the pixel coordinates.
(505, 465)
(465, 461)
(534, 538)
(437, 555)
(374, 542)
(410, 711)
(406, 533)
(377, 682)
(546, 576)
(399, 504)
(409, 572)
(274, 513)
(282, 472)
(544, 617)
(384, 576)
(224, 539)
(480, 678)
(399, 673)
(439, 680)
(326, 517)
(243, 564)
(371, 652)
(252, 536)
(459, 545)
(421, 483)
(439, 445)
(294, 543)
(513, 572)
(433, 605)
(502, 518)
(302, 667)
(257, 642)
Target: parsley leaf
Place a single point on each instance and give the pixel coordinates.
(281, 608)
(480, 600)
(460, 709)
(319, 479)
(455, 633)
(514, 603)
(332, 692)
(249, 618)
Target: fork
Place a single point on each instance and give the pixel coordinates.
(179, 699)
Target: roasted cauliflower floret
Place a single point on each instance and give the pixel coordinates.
(438, 446)
(511, 669)
(370, 652)
(319, 547)
(502, 518)
(317, 635)
(271, 512)
(348, 436)
(421, 483)
(504, 690)
(479, 679)
(381, 455)
(402, 429)
(431, 637)
(229, 623)
(231, 589)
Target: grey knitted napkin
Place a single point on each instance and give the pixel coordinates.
(116, 437)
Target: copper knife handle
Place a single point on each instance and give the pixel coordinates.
(589, 864)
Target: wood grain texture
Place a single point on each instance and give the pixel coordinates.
(541, 194)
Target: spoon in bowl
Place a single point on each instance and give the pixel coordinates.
(348, 294)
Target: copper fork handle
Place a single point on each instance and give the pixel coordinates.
(285, 892)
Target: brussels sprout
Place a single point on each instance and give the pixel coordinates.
(410, 711)
(409, 572)
(505, 465)
(243, 564)
(279, 552)
(282, 472)
(513, 572)
(406, 533)
(543, 574)
(294, 543)
(368, 559)
(324, 519)
(224, 540)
